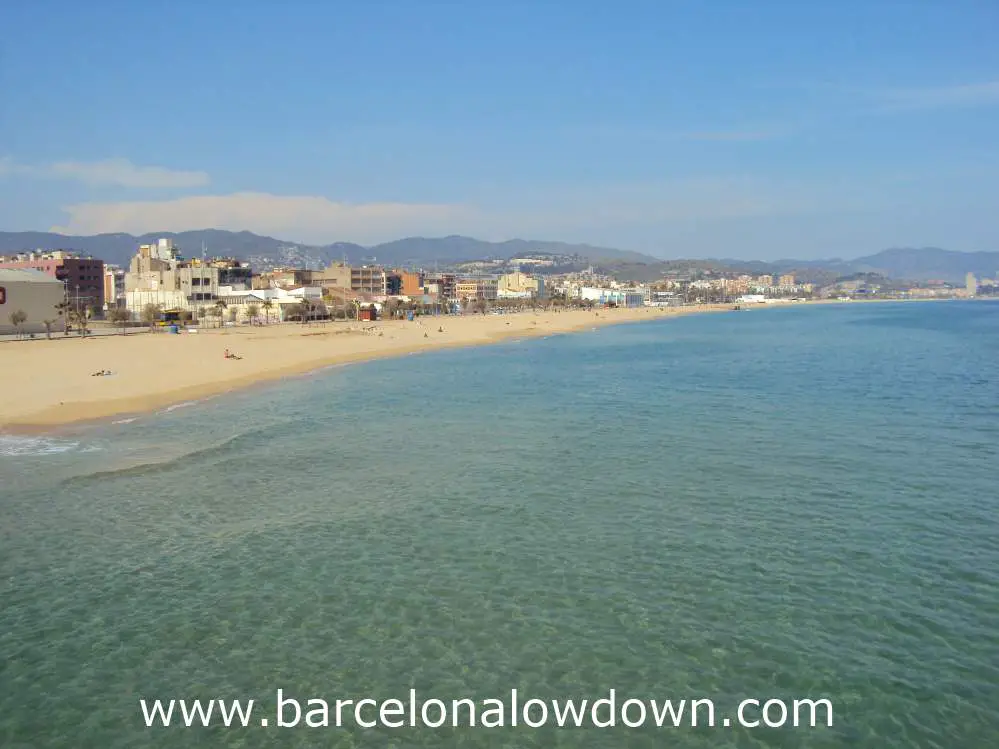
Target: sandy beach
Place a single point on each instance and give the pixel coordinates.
(49, 383)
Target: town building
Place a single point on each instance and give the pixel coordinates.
(82, 276)
(35, 293)
(368, 279)
(283, 278)
(521, 285)
(441, 285)
(158, 275)
(477, 288)
(411, 283)
(618, 297)
(971, 284)
(114, 287)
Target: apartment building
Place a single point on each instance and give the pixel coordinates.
(367, 279)
(82, 276)
(442, 285)
(519, 284)
(157, 274)
(283, 278)
(411, 283)
(477, 288)
(114, 286)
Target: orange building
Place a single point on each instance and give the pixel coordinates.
(412, 283)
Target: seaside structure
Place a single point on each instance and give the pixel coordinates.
(82, 276)
(114, 287)
(519, 285)
(971, 284)
(368, 279)
(35, 294)
(159, 275)
(283, 278)
(274, 304)
(661, 298)
(617, 297)
(441, 285)
(477, 288)
(411, 282)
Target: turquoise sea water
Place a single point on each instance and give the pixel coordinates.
(785, 503)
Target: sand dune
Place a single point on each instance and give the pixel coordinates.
(48, 383)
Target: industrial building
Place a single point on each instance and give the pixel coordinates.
(34, 293)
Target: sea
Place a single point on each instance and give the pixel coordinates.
(772, 505)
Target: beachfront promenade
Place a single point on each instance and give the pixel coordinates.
(46, 383)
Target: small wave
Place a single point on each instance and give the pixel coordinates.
(175, 406)
(125, 421)
(222, 448)
(16, 446)
(326, 368)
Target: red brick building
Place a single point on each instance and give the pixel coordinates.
(82, 277)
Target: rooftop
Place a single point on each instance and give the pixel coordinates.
(34, 255)
(10, 275)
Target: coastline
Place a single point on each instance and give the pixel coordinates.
(47, 385)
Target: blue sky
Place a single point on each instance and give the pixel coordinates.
(684, 129)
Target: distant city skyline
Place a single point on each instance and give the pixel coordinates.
(760, 131)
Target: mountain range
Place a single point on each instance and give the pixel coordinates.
(913, 264)
(263, 251)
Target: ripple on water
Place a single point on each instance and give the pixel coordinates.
(538, 516)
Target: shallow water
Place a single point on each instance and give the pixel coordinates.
(786, 503)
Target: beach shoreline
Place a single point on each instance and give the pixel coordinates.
(48, 384)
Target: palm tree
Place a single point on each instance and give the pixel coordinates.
(268, 305)
(305, 310)
(220, 307)
(48, 328)
(252, 310)
(62, 309)
(17, 319)
(79, 320)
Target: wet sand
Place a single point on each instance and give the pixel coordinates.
(48, 383)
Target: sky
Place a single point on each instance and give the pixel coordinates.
(733, 129)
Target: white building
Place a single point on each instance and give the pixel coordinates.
(34, 293)
(620, 297)
(508, 294)
(282, 301)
